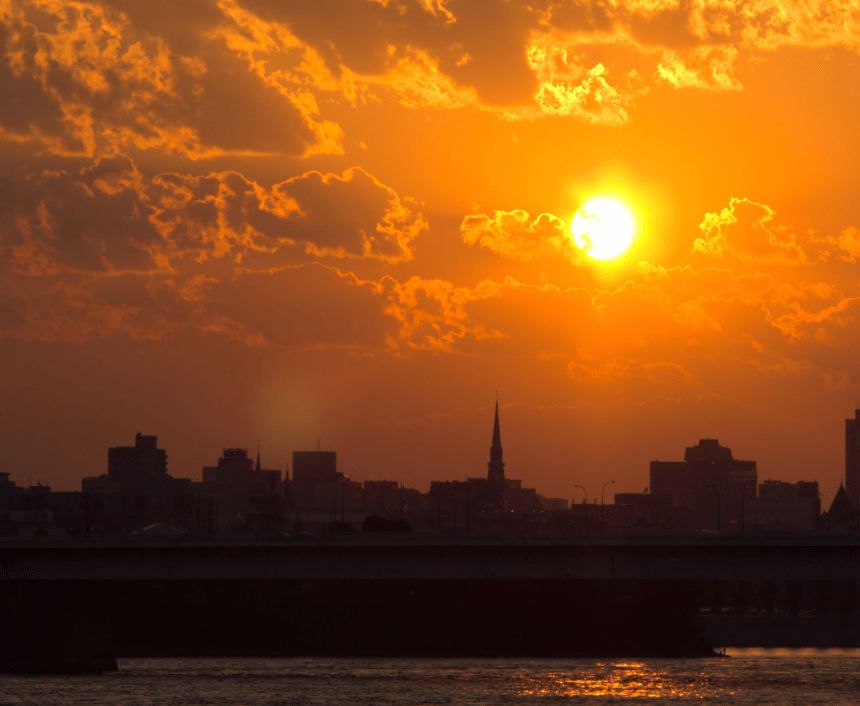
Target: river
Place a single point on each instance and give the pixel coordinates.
(747, 676)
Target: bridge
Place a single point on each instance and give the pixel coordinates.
(434, 557)
(81, 601)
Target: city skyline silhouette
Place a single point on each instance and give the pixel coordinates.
(292, 224)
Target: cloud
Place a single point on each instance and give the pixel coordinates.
(662, 373)
(306, 306)
(96, 220)
(743, 230)
(109, 218)
(515, 235)
(594, 100)
(432, 313)
(708, 68)
(86, 80)
(75, 313)
(210, 78)
(351, 215)
(848, 241)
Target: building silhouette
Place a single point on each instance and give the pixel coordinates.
(318, 486)
(494, 494)
(782, 506)
(137, 467)
(243, 491)
(311, 468)
(841, 514)
(852, 452)
(136, 491)
(496, 466)
(708, 478)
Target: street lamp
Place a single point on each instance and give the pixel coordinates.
(716, 490)
(586, 507)
(468, 503)
(332, 509)
(856, 506)
(744, 507)
(601, 503)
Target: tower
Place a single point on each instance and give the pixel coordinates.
(496, 472)
(852, 452)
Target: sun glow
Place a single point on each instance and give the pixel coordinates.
(602, 228)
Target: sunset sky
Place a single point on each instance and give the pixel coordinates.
(347, 223)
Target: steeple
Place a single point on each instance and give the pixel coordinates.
(496, 466)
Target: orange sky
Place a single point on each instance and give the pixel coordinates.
(347, 222)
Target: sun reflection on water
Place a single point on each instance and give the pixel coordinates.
(623, 680)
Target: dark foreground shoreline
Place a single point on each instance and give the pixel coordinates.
(83, 626)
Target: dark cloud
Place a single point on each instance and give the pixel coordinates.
(93, 81)
(94, 221)
(310, 306)
(484, 47)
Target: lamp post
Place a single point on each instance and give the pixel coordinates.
(744, 508)
(856, 507)
(332, 510)
(586, 507)
(601, 503)
(468, 503)
(439, 504)
(716, 490)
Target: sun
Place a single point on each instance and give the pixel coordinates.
(602, 228)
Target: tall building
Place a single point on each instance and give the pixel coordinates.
(310, 469)
(852, 453)
(137, 466)
(244, 490)
(706, 479)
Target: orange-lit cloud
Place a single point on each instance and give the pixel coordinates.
(327, 215)
(85, 79)
(514, 234)
(432, 314)
(708, 68)
(109, 218)
(848, 241)
(744, 230)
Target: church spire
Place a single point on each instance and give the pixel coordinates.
(496, 466)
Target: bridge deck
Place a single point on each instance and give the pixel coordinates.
(434, 557)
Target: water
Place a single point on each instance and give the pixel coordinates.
(751, 676)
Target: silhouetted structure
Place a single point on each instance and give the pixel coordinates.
(494, 495)
(646, 509)
(496, 466)
(318, 485)
(309, 469)
(136, 491)
(852, 452)
(243, 491)
(381, 496)
(782, 506)
(136, 467)
(841, 514)
(689, 482)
